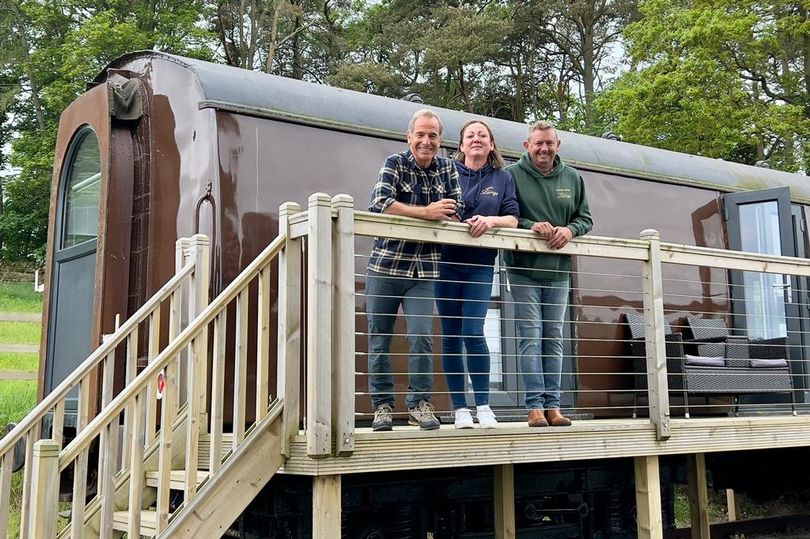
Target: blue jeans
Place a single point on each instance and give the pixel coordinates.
(540, 312)
(384, 295)
(462, 297)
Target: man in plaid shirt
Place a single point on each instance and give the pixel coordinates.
(414, 183)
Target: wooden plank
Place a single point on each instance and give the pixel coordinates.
(288, 370)
(44, 502)
(19, 348)
(20, 317)
(504, 479)
(732, 502)
(58, 426)
(653, 299)
(167, 416)
(326, 506)
(319, 326)
(108, 451)
(18, 375)
(136, 474)
(217, 390)
(31, 438)
(698, 496)
(80, 463)
(648, 498)
(240, 368)
(408, 448)
(153, 351)
(263, 344)
(690, 255)
(408, 228)
(343, 328)
(239, 481)
(130, 372)
(5, 491)
(198, 364)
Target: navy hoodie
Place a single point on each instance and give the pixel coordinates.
(487, 191)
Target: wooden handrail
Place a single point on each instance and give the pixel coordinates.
(108, 346)
(105, 416)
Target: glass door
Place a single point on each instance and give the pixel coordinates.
(766, 305)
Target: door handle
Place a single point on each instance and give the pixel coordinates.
(787, 289)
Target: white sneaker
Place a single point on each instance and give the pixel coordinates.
(464, 419)
(486, 417)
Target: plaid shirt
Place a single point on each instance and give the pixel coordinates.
(401, 179)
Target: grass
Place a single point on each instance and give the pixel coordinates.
(17, 397)
(13, 361)
(19, 332)
(19, 297)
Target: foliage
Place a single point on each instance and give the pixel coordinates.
(717, 77)
(49, 52)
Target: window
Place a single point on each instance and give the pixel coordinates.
(82, 191)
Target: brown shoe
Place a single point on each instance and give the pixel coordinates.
(537, 419)
(556, 419)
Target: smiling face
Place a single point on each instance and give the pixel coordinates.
(424, 140)
(476, 143)
(542, 146)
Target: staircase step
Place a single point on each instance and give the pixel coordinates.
(148, 522)
(177, 480)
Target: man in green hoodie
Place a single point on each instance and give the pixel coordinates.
(552, 201)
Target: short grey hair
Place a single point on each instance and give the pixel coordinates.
(425, 113)
(542, 125)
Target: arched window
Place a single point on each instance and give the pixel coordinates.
(82, 190)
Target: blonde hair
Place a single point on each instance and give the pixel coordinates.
(542, 125)
(494, 158)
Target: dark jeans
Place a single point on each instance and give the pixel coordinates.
(462, 297)
(384, 295)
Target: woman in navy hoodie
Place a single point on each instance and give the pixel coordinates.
(465, 274)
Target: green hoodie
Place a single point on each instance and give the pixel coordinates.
(557, 197)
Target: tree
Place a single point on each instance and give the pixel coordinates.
(716, 77)
(50, 51)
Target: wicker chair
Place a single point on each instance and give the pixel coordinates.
(638, 349)
(757, 366)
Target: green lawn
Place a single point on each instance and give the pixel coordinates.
(12, 361)
(19, 297)
(19, 332)
(17, 397)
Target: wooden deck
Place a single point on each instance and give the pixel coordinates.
(408, 448)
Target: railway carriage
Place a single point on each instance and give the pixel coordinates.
(162, 147)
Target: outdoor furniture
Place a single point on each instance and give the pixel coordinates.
(715, 362)
(750, 366)
(638, 349)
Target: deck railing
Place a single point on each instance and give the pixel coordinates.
(336, 259)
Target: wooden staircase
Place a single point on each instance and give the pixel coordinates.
(153, 481)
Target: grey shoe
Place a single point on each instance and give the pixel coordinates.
(383, 418)
(424, 415)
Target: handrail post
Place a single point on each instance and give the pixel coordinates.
(289, 323)
(343, 330)
(319, 326)
(653, 294)
(199, 248)
(45, 490)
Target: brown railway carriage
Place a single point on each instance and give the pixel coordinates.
(161, 147)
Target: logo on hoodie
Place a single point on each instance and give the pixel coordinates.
(563, 193)
(489, 192)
